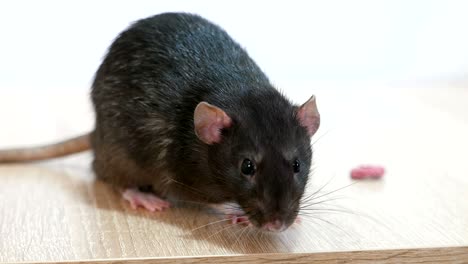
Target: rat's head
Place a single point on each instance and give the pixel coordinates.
(261, 156)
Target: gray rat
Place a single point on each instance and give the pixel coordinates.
(183, 112)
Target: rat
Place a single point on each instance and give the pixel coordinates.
(181, 110)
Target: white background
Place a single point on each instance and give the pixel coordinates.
(58, 45)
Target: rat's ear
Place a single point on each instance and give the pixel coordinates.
(309, 116)
(209, 120)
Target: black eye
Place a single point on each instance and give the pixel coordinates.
(296, 166)
(248, 167)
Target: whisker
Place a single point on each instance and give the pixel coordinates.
(211, 223)
(223, 214)
(242, 232)
(327, 222)
(189, 202)
(339, 189)
(227, 227)
(329, 210)
(262, 234)
(204, 205)
(256, 231)
(314, 211)
(249, 234)
(321, 188)
(227, 206)
(308, 197)
(321, 202)
(190, 188)
(321, 136)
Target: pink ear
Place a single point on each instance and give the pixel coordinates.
(309, 116)
(209, 120)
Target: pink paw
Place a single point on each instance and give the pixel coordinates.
(298, 220)
(239, 219)
(149, 201)
(233, 212)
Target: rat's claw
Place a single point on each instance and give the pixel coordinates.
(149, 201)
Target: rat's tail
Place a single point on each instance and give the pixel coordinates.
(67, 147)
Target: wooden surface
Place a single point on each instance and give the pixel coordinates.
(55, 211)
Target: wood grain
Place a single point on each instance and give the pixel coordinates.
(55, 211)
(425, 255)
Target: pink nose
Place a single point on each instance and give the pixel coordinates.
(274, 226)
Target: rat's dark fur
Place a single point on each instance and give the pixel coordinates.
(145, 93)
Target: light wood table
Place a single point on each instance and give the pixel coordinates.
(54, 211)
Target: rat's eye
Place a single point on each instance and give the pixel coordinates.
(296, 166)
(248, 167)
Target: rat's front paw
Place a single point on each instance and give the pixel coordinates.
(239, 219)
(233, 212)
(149, 201)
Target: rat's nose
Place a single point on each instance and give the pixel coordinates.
(274, 226)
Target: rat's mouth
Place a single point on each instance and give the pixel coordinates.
(274, 222)
(275, 226)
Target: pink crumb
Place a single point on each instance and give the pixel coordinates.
(367, 171)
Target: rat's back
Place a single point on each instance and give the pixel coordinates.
(152, 78)
(177, 48)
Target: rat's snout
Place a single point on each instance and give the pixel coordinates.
(274, 226)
